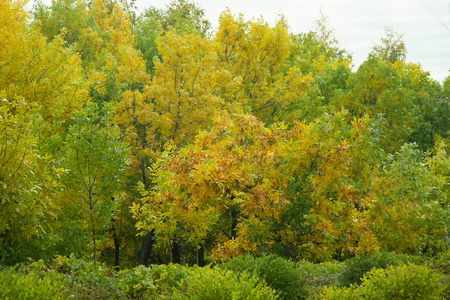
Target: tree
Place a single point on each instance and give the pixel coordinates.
(255, 53)
(28, 185)
(243, 187)
(392, 47)
(94, 158)
(406, 212)
(377, 89)
(223, 185)
(183, 16)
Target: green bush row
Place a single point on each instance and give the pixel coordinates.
(379, 276)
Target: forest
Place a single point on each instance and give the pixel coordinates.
(150, 156)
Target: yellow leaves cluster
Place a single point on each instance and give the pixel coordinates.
(45, 73)
(255, 53)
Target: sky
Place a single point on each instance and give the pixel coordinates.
(358, 24)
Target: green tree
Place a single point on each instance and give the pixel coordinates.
(94, 158)
(392, 47)
(183, 16)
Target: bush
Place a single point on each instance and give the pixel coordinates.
(87, 282)
(29, 282)
(354, 269)
(316, 276)
(216, 284)
(152, 282)
(278, 273)
(395, 282)
(138, 282)
(442, 263)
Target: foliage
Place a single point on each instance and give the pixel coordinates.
(28, 181)
(354, 269)
(399, 282)
(318, 275)
(392, 47)
(84, 280)
(94, 160)
(278, 273)
(153, 281)
(207, 283)
(249, 140)
(255, 53)
(418, 192)
(31, 282)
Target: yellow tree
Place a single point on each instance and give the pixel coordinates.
(225, 184)
(255, 53)
(247, 188)
(44, 73)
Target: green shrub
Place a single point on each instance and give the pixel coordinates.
(354, 269)
(138, 282)
(442, 263)
(216, 284)
(29, 282)
(278, 273)
(168, 276)
(396, 282)
(152, 282)
(86, 281)
(318, 275)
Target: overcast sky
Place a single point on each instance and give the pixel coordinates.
(358, 24)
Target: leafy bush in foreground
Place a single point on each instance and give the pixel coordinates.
(354, 269)
(154, 281)
(216, 284)
(86, 281)
(396, 282)
(319, 275)
(30, 282)
(278, 273)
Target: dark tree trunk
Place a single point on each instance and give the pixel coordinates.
(116, 248)
(233, 223)
(146, 248)
(201, 256)
(176, 253)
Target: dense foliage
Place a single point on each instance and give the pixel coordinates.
(151, 139)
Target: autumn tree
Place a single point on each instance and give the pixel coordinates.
(254, 52)
(180, 15)
(222, 185)
(258, 189)
(41, 85)
(28, 185)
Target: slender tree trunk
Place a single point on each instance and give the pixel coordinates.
(233, 223)
(95, 246)
(201, 255)
(116, 248)
(176, 253)
(146, 248)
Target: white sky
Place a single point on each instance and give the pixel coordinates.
(358, 24)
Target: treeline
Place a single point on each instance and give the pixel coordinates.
(137, 139)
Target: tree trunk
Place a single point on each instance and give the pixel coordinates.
(95, 246)
(116, 248)
(146, 248)
(233, 223)
(201, 255)
(176, 253)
